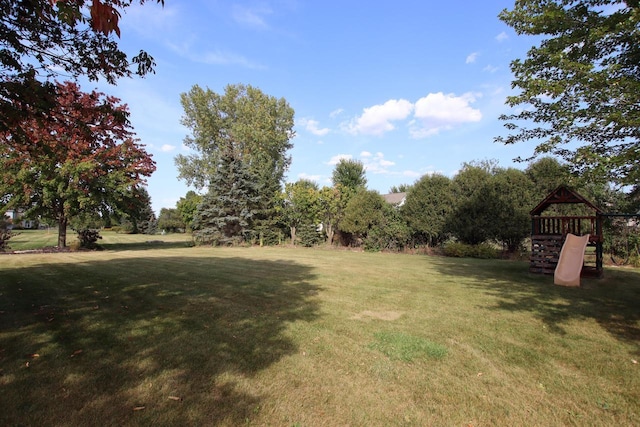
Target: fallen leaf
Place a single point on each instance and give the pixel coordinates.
(138, 408)
(634, 361)
(26, 364)
(34, 355)
(479, 374)
(75, 353)
(175, 398)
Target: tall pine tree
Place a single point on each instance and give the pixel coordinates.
(227, 212)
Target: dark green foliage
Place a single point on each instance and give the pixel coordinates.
(428, 205)
(491, 204)
(511, 192)
(308, 235)
(470, 220)
(170, 220)
(392, 234)
(374, 222)
(88, 238)
(137, 214)
(225, 216)
(463, 250)
(363, 212)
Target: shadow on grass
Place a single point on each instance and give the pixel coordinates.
(612, 301)
(145, 341)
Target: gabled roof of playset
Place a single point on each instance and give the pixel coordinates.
(562, 195)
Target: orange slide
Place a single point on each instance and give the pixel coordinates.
(571, 258)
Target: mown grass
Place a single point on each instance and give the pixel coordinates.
(24, 240)
(170, 335)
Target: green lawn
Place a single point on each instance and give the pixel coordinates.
(151, 333)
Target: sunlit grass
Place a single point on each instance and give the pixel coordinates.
(38, 239)
(139, 334)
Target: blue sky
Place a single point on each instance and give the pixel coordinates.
(406, 87)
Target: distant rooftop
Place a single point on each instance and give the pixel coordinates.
(395, 198)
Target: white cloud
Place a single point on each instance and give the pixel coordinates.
(437, 112)
(335, 113)
(490, 69)
(314, 178)
(502, 37)
(375, 163)
(411, 174)
(167, 148)
(313, 127)
(254, 17)
(376, 120)
(472, 58)
(336, 159)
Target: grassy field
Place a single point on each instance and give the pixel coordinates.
(157, 333)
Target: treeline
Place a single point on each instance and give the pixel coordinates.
(483, 206)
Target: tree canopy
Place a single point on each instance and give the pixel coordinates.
(580, 87)
(255, 127)
(44, 39)
(80, 158)
(428, 206)
(248, 128)
(349, 174)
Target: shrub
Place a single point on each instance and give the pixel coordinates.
(88, 238)
(463, 250)
(309, 236)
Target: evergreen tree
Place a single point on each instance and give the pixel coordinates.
(227, 211)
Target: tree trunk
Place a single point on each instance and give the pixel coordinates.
(330, 234)
(293, 235)
(62, 230)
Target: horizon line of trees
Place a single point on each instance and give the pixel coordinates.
(482, 203)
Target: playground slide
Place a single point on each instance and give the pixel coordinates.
(571, 258)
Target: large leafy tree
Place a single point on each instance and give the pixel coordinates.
(364, 211)
(469, 221)
(80, 158)
(349, 174)
(253, 127)
(136, 209)
(187, 207)
(332, 204)
(301, 205)
(170, 220)
(43, 39)
(511, 193)
(427, 208)
(579, 89)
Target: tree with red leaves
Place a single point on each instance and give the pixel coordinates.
(81, 158)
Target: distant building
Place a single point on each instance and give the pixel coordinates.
(17, 219)
(396, 199)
